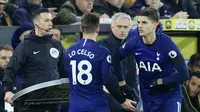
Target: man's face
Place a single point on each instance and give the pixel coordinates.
(120, 27)
(44, 22)
(5, 56)
(56, 34)
(195, 67)
(193, 86)
(146, 26)
(116, 3)
(85, 5)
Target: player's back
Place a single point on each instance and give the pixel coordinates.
(84, 61)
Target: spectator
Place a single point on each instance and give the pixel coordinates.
(194, 63)
(70, 11)
(5, 19)
(56, 33)
(120, 26)
(191, 94)
(39, 57)
(5, 54)
(19, 34)
(110, 7)
(164, 9)
(10, 7)
(25, 10)
(180, 6)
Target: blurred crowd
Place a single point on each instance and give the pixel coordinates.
(15, 12)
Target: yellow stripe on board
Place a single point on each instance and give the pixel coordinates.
(187, 45)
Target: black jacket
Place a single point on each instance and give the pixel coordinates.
(129, 63)
(39, 59)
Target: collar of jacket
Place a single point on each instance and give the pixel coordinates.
(115, 40)
(34, 37)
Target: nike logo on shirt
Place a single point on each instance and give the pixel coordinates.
(35, 52)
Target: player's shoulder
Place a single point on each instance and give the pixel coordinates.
(131, 42)
(72, 47)
(133, 39)
(103, 49)
(166, 38)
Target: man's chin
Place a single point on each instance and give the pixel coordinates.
(121, 37)
(192, 95)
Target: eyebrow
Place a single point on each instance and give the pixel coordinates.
(142, 21)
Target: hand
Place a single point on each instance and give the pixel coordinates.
(52, 11)
(8, 96)
(157, 87)
(104, 16)
(128, 105)
(181, 15)
(127, 91)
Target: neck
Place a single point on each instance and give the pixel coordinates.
(149, 39)
(90, 36)
(38, 32)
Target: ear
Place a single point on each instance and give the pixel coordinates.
(111, 26)
(156, 24)
(34, 23)
(97, 30)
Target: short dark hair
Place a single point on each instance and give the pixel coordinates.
(194, 59)
(197, 74)
(6, 47)
(37, 13)
(151, 13)
(89, 23)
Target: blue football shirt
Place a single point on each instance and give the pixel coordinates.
(154, 62)
(87, 64)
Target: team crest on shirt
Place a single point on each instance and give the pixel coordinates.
(108, 59)
(54, 52)
(172, 54)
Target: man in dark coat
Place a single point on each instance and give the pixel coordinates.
(120, 26)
